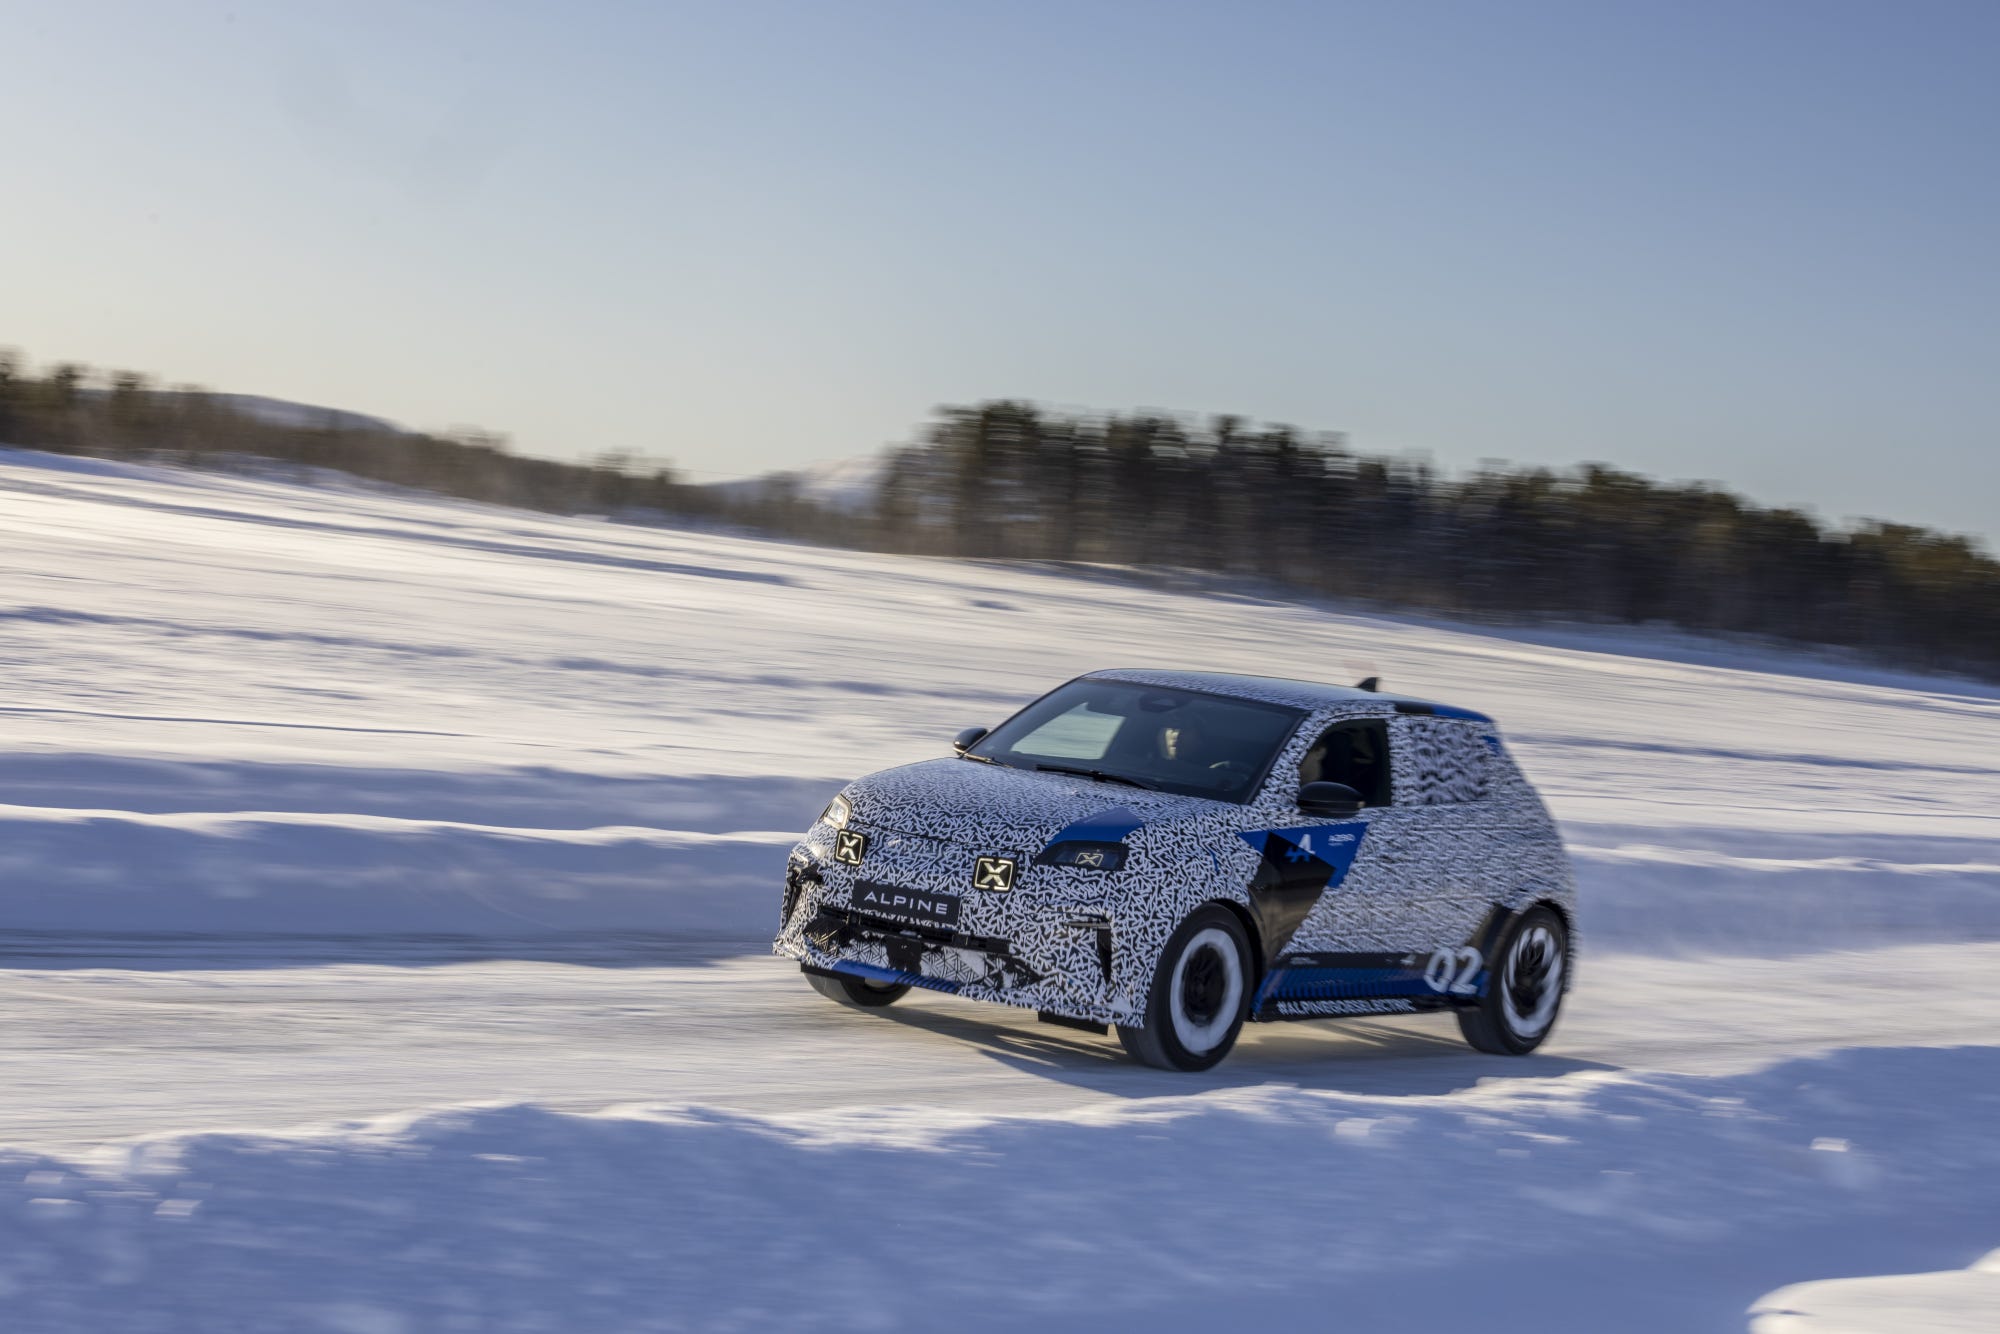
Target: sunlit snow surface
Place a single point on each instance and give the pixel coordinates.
(1957, 1301)
(320, 805)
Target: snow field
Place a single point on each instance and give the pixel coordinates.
(261, 739)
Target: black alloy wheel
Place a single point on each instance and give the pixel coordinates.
(1529, 971)
(1199, 997)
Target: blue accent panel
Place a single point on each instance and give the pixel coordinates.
(1295, 868)
(1311, 984)
(1264, 990)
(1107, 826)
(891, 976)
(1349, 984)
(1330, 846)
(1452, 711)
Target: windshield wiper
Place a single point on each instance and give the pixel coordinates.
(1098, 774)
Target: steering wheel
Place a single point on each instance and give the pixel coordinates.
(1231, 769)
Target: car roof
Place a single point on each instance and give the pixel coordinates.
(1282, 690)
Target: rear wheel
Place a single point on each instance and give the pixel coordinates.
(857, 991)
(1200, 994)
(1526, 988)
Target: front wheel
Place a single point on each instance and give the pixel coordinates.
(857, 991)
(1199, 997)
(1526, 988)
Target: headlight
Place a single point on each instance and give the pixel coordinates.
(1085, 856)
(836, 812)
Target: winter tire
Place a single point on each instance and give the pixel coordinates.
(1529, 971)
(1199, 997)
(857, 991)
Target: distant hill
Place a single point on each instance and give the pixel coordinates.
(843, 486)
(306, 416)
(267, 411)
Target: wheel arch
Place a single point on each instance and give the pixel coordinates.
(1559, 908)
(1145, 964)
(1541, 897)
(1251, 932)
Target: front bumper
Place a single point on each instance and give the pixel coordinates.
(1062, 960)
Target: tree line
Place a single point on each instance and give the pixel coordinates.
(71, 409)
(1010, 480)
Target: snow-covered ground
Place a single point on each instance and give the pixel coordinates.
(381, 881)
(1963, 1301)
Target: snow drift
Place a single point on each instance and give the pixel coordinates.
(507, 1218)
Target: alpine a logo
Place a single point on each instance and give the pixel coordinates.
(906, 903)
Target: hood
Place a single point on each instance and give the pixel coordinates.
(964, 801)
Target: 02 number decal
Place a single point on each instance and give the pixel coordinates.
(1454, 971)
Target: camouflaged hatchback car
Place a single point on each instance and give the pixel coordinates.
(1174, 853)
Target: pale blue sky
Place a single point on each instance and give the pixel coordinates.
(1750, 242)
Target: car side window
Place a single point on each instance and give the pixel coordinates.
(1356, 753)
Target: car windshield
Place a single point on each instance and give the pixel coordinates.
(1148, 736)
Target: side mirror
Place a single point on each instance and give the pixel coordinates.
(1336, 799)
(969, 738)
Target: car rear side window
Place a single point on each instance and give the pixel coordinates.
(1439, 761)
